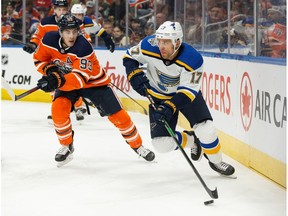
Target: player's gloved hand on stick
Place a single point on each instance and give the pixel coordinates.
(51, 82)
(139, 81)
(30, 47)
(108, 41)
(164, 111)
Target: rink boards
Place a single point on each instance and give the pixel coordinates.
(247, 99)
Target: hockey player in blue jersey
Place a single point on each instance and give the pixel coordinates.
(91, 27)
(173, 79)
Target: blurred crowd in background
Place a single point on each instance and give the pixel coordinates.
(247, 27)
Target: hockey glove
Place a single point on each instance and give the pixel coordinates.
(30, 47)
(139, 81)
(164, 112)
(50, 68)
(51, 82)
(108, 41)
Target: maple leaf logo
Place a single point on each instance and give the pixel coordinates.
(246, 99)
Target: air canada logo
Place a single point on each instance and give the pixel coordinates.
(4, 59)
(246, 101)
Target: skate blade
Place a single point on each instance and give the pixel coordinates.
(141, 158)
(62, 163)
(230, 176)
(50, 122)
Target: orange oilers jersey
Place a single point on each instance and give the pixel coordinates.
(49, 24)
(85, 69)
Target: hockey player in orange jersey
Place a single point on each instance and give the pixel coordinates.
(87, 79)
(50, 24)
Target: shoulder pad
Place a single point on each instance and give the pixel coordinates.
(189, 58)
(51, 39)
(88, 21)
(82, 47)
(50, 20)
(148, 47)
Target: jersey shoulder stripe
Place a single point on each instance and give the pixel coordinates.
(189, 58)
(81, 47)
(148, 49)
(50, 20)
(87, 21)
(51, 39)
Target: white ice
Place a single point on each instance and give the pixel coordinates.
(107, 178)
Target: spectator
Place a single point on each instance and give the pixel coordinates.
(119, 37)
(11, 13)
(108, 26)
(274, 39)
(31, 11)
(104, 8)
(137, 37)
(160, 18)
(43, 12)
(276, 14)
(42, 3)
(215, 24)
(136, 24)
(17, 5)
(90, 10)
(8, 21)
(149, 29)
(117, 10)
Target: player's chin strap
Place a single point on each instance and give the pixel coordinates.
(213, 194)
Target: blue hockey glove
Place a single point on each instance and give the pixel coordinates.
(108, 41)
(51, 82)
(139, 81)
(164, 112)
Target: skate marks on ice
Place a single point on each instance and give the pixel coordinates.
(106, 177)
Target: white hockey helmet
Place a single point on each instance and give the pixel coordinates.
(170, 30)
(77, 9)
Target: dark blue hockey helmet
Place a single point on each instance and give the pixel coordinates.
(68, 21)
(60, 3)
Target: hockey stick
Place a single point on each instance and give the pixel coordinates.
(7, 87)
(15, 97)
(145, 111)
(212, 193)
(13, 39)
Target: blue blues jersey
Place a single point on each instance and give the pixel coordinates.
(181, 75)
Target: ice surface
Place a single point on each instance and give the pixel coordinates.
(107, 178)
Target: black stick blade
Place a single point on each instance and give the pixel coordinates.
(213, 194)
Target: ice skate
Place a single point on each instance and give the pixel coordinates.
(222, 168)
(79, 112)
(145, 153)
(50, 120)
(64, 155)
(196, 149)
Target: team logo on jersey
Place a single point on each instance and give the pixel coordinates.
(63, 67)
(152, 41)
(166, 80)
